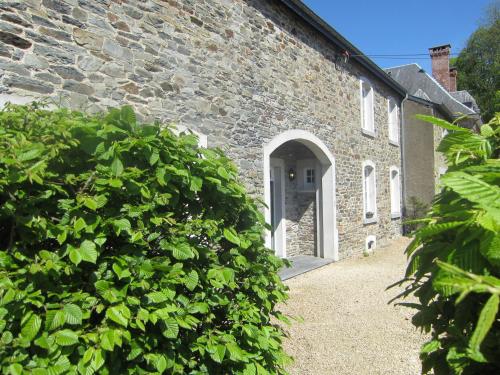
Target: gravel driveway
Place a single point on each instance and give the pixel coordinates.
(348, 326)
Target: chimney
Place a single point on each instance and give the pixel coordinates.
(453, 79)
(440, 57)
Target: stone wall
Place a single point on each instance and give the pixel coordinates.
(239, 71)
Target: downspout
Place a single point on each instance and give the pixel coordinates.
(402, 148)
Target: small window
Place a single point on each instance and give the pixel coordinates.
(367, 114)
(393, 113)
(310, 178)
(369, 192)
(370, 244)
(395, 192)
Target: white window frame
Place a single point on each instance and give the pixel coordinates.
(393, 116)
(367, 105)
(369, 200)
(395, 189)
(302, 166)
(313, 177)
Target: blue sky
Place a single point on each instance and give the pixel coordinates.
(392, 27)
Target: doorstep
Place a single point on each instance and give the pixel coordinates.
(302, 264)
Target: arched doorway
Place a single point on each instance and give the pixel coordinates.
(313, 170)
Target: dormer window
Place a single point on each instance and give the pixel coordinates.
(393, 114)
(367, 113)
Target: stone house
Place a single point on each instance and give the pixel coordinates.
(312, 124)
(433, 95)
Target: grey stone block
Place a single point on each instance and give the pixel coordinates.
(80, 88)
(29, 84)
(68, 72)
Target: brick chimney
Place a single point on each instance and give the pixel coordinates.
(440, 57)
(453, 79)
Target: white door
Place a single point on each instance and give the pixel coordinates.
(277, 206)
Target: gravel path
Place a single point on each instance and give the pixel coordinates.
(348, 326)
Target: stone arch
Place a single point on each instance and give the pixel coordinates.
(327, 233)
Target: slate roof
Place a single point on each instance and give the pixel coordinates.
(420, 84)
(465, 97)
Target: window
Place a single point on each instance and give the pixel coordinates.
(310, 176)
(307, 172)
(369, 192)
(367, 116)
(393, 121)
(370, 244)
(395, 192)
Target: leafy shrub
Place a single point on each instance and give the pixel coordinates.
(454, 268)
(127, 249)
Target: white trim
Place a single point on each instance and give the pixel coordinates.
(327, 226)
(281, 227)
(374, 219)
(393, 121)
(370, 129)
(395, 214)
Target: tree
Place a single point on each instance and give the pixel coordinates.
(478, 64)
(454, 267)
(125, 249)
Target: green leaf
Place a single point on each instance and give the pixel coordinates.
(73, 314)
(128, 115)
(6, 338)
(191, 280)
(171, 328)
(231, 235)
(441, 123)
(196, 184)
(473, 189)
(161, 364)
(223, 173)
(218, 354)
(116, 167)
(119, 314)
(182, 251)
(31, 154)
(66, 337)
(107, 341)
(89, 202)
(58, 319)
(79, 224)
(74, 256)
(155, 156)
(484, 323)
(122, 225)
(487, 131)
(15, 369)
(88, 251)
(30, 326)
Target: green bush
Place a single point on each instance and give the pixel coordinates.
(125, 249)
(454, 268)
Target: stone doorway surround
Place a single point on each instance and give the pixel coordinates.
(327, 239)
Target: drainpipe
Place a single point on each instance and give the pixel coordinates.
(402, 148)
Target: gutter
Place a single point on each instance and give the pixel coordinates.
(403, 159)
(313, 20)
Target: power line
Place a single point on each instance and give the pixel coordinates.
(412, 55)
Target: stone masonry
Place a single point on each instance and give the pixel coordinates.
(239, 71)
